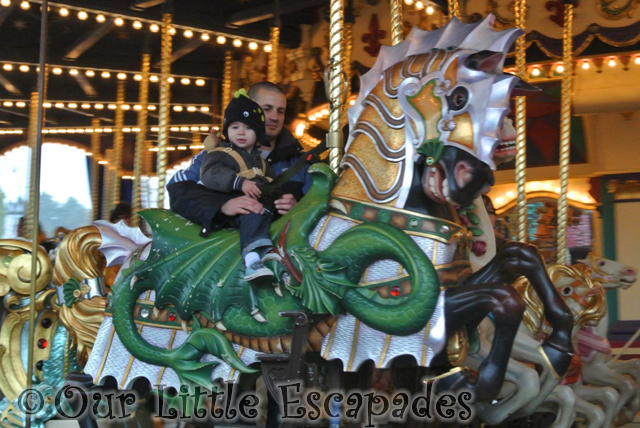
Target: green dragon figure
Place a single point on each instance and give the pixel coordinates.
(204, 276)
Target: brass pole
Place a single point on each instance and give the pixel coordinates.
(95, 170)
(274, 40)
(143, 100)
(163, 114)
(454, 9)
(521, 123)
(336, 85)
(226, 79)
(36, 156)
(118, 143)
(396, 22)
(30, 223)
(565, 132)
(107, 187)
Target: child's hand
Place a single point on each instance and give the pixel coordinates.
(250, 188)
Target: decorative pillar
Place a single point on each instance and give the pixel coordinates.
(335, 141)
(163, 114)
(107, 186)
(95, 168)
(118, 143)
(274, 39)
(396, 22)
(143, 100)
(226, 80)
(565, 131)
(521, 123)
(454, 9)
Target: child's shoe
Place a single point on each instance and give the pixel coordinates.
(257, 270)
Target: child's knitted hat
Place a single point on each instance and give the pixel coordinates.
(243, 109)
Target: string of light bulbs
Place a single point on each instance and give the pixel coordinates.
(110, 105)
(105, 73)
(138, 23)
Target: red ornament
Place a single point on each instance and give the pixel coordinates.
(395, 290)
(42, 343)
(172, 317)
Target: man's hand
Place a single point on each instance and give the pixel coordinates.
(212, 141)
(250, 188)
(285, 203)
(241, 205)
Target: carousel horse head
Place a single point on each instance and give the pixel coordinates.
(435, 103)
(583, 295)
(610, 273)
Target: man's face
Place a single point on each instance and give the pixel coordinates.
(273, 104)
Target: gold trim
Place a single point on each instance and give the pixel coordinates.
(546, 359)
(443, 375)
(425, 347)
(434, 253)
(321, 233)
(233, 371)
(169, 346)
(454, 236)
(385, 348)
(332, 334)
(128, 369)
(104, 356)
(354, 345)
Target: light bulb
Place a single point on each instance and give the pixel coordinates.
(154, 28)
(82, 15)
(90, 73)
(185, 81)
(105, 74)
(268, 48)
(221, 40)
(188, 34)
(253, 46)
(24, 68)
(119, 21)
(137, 25)
(237, 43)
(100, 18)
(205, 37)
(64, 11)
(200, 82)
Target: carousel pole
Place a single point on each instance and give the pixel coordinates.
(118, 143)
(107, 187)
(335, 141)
(274, 40)
(36, 157)
(565, 131)
(347, 33)
(163, 113)
(521, 123)
(140, 137)
(454, 9)
(95, 170)
(226, 79)
(396, 22)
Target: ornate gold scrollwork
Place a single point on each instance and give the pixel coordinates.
(457, 347)
(607, 9)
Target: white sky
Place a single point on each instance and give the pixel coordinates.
(63, 173)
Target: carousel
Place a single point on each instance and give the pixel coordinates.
(461, 255)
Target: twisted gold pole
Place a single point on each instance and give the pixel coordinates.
(118, 143)
(274, 39)
(107, 187)
(30, 223)
(396, 22)
(163, 113)
(143, 100)
(454, 9)
(226, 79)
(521, 123)
(347, 41)
(565, 133)
(95, 170)
(336, 85)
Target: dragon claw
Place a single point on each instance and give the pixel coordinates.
(220, 326)
(257, 315)
(277, 289)
(134, 279)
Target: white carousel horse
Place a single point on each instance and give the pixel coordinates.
(597, 365)
(525, 390)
